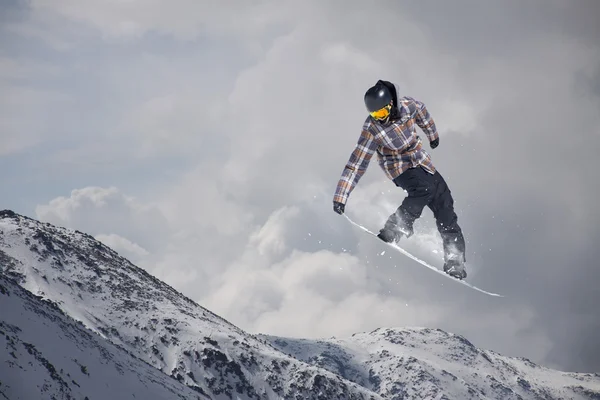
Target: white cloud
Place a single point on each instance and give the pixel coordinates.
(202, 200)
(291, 113)
(270, 239)
(106, 211)
(166, 124)
(132, 251)
(168, 247)
(278, 289)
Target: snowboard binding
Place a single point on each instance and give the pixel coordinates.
(392, 233)
(455, 269)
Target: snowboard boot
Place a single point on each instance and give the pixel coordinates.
(389, 235)
(392, 233)
(455, 269)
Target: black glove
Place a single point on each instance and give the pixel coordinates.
(434, 143)
(338, 207)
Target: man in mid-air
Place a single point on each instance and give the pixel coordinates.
(390, 131)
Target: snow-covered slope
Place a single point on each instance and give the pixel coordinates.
(422, 363)
(193, 347)
(127, 306)
(45, 354)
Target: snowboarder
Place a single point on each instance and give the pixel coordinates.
(390, 131)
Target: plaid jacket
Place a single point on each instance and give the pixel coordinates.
(396, 143)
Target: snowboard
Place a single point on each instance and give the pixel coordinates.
(431, 267)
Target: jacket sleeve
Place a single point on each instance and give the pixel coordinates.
(356, 166)
(424, 119)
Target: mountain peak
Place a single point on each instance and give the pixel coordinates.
(132, 309)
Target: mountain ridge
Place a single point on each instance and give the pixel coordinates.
(71, 361)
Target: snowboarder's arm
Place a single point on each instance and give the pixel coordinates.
(356, 166)
(425, 121)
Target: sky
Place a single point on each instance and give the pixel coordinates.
(203, 140)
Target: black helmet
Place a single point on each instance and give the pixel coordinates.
(377, 97)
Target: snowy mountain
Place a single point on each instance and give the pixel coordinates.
(46, 354)
(99, 313)
(130, 308)
(422, 363)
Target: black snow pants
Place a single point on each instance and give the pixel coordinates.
(425, 189)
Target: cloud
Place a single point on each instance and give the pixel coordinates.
(273, 287)
(170, 124)
(109, 213)
(14, 69)
(270, 238)
(210, 203)
(182, 18)
(24, 111)
(132, 251)
(290, 125)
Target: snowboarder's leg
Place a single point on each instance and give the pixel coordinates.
(442, 206)
(418, 183)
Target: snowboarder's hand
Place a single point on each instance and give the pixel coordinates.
(434, 143)
(338, 207)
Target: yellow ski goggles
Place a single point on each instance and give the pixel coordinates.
(382, 113)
